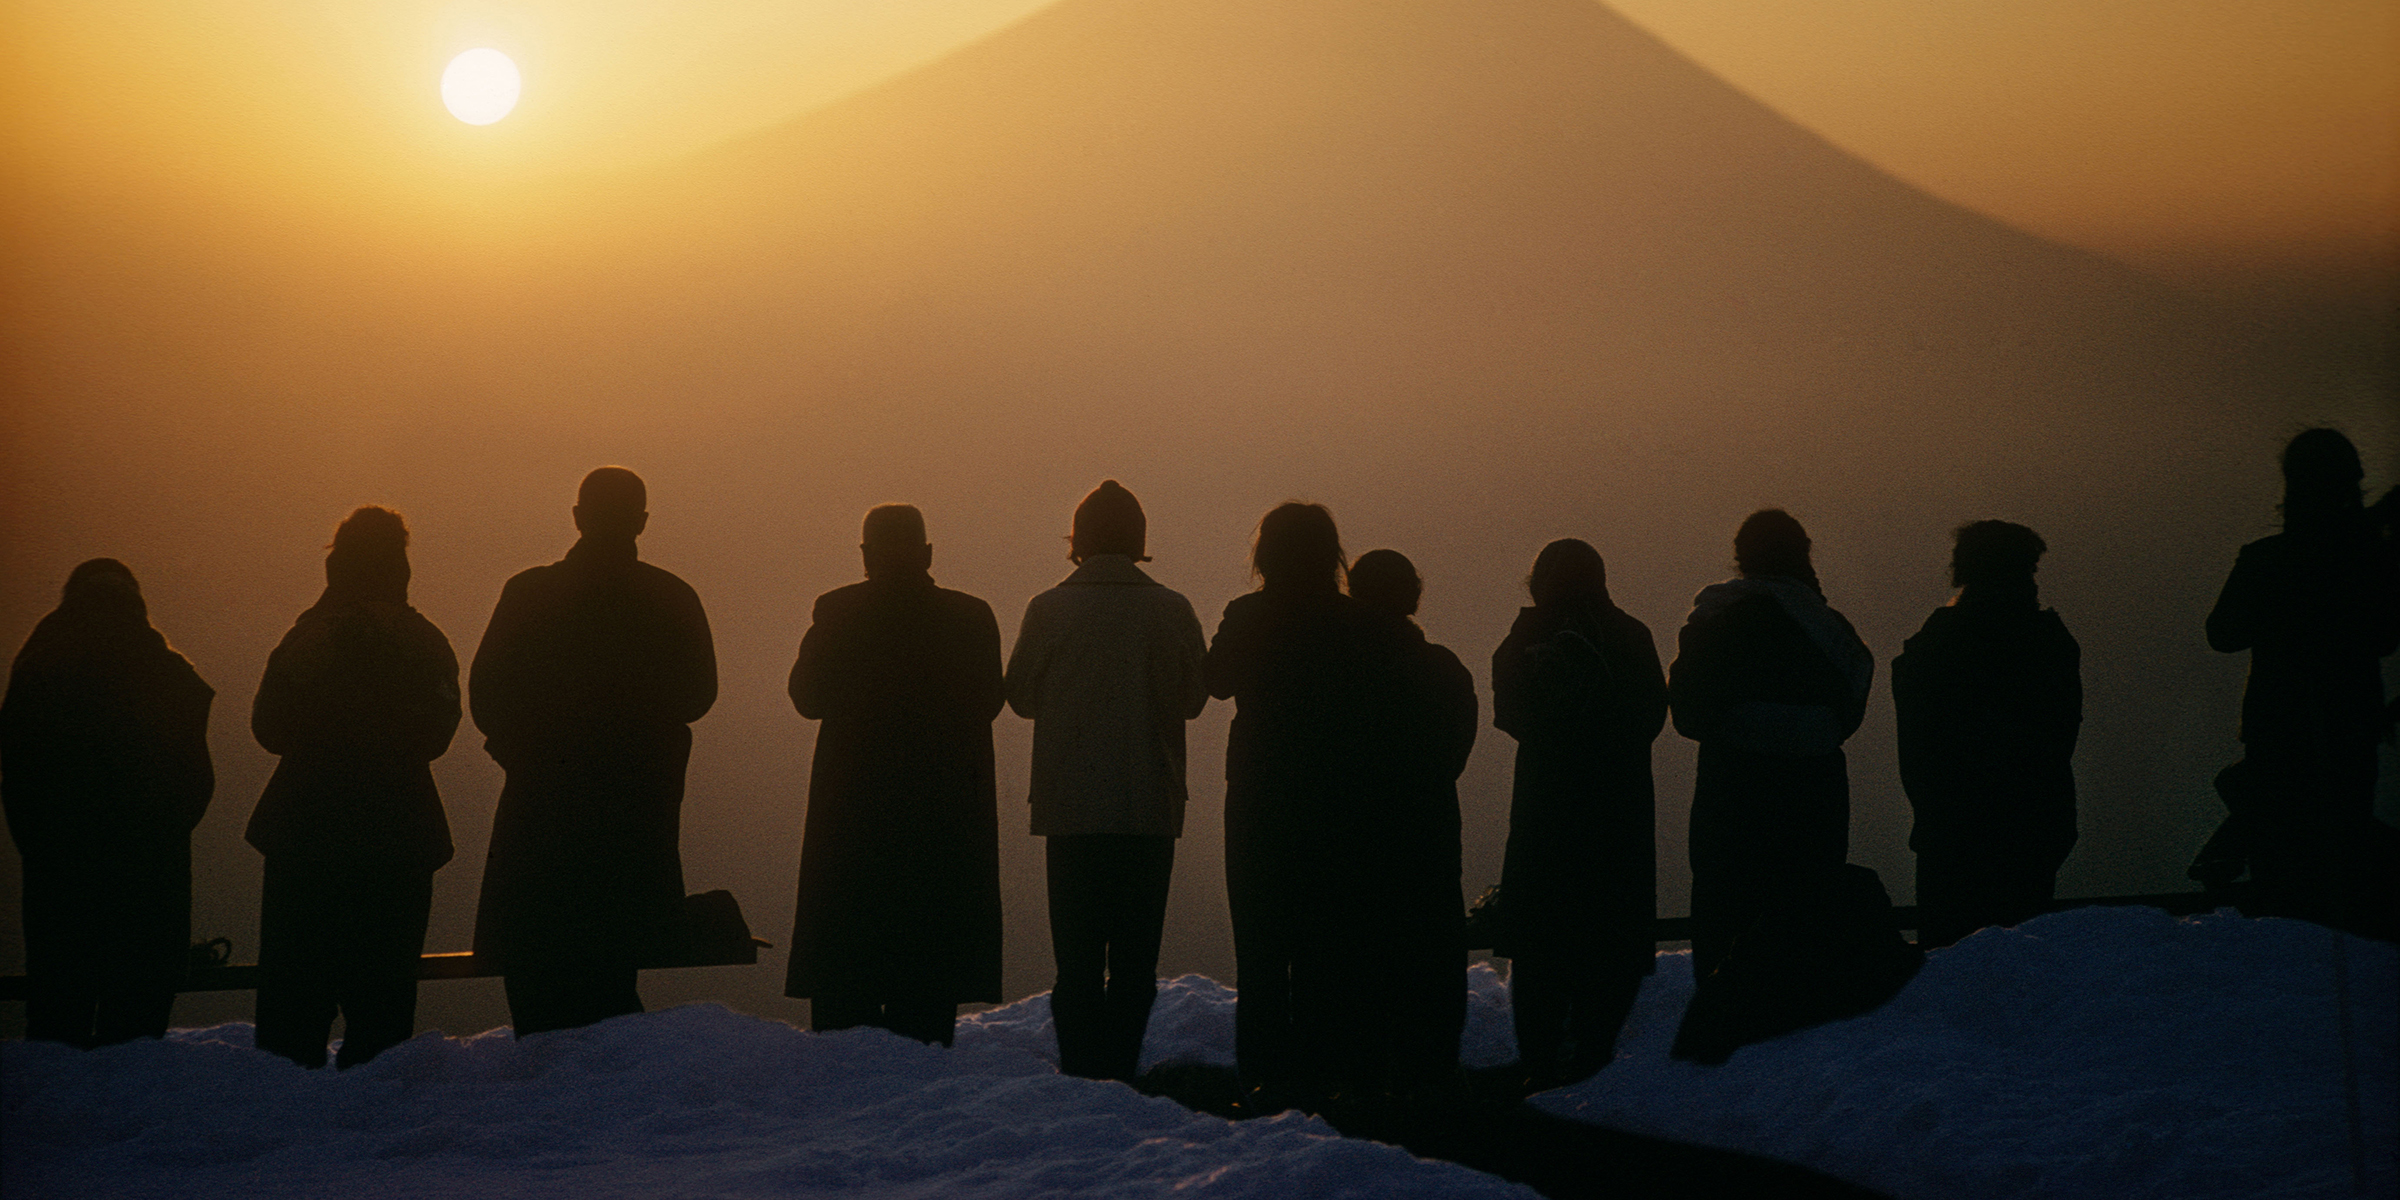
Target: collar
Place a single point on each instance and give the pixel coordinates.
(1109, 569)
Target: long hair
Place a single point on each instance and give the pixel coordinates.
(1566, 571)
(2321, 476)
(1298, 548)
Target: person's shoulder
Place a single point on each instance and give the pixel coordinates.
(1246, 606)
(842, 601)
(1624, 624)
(2053, 628)
(963, 606)
(660, 581)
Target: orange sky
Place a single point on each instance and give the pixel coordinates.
(1475, 285)
(2182, 136)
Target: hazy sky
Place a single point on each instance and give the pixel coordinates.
(1475, 273)
(2180, 135)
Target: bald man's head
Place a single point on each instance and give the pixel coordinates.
(893, 541)
(612, 503)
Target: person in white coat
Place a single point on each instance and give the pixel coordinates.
(1108, 667)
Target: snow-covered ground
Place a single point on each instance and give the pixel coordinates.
(2103, 1053)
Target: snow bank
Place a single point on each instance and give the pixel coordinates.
(2115, 1053)
(691, 1102)
(2101, 1053)
(1193, 1023)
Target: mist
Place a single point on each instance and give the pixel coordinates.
(1475, 277)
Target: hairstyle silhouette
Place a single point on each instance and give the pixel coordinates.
(2321, 477)
(103, 585)
(1568, 570)
(1385, 581)
(1994, 552)
(1771, 542)
(369, 555)
(1298, 548)
(1109, 521)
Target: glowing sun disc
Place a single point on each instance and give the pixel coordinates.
(480, 86)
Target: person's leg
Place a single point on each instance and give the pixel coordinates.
(1942, 901)
(297, 937)
(1080, 901)
(148, 912)
(547, 996)
(60, 989)
(1605, 992)
(1539, 1009)
(831, 1011)
(1264, 945)
(1137, 917)
(929, 1019)
(378, 985)
(1432, 1002)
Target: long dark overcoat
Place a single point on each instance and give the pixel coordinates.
(588, 679)
(104, 771)
(1579, 687)
(1770, 706)
(900, 859)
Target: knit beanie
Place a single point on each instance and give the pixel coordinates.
(1110, 521)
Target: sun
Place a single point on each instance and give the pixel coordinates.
(480, 86)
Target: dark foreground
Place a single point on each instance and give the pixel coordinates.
(1488, 1127)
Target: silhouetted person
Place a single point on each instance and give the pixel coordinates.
(899, 911)
(2316, 606)
(1293, 657)
(585, 687)
(1577, 683)
(1107, 666)
(1397, 923)
(358, 699)
(1989, 696)
(1770, 681)
(104, 771)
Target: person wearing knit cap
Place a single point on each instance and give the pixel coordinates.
(898, 914)
(585, 687)
(1107, 665)
(358, 699)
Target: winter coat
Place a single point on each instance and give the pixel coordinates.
(1301, 669)
(1579, 687)
(1764, 665)
(103, 737)
(2316, 609)
(585, 687)
(1419, 745)
(900, 863)
(358, 699)
(104, 771)
(1107, 666)
(1989, 696)
(1770, 681)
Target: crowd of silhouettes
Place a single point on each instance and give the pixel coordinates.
(1342, 826)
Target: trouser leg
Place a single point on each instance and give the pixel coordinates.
(378, 984)
(1265, 950)
(1079, 903)
(1139, 923)
(546, 997)
(831, 1011)
(1601, 1005)
(297, 942)
(929, 1019)
(1538, 1008)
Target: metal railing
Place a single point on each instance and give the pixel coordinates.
(465, 964)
